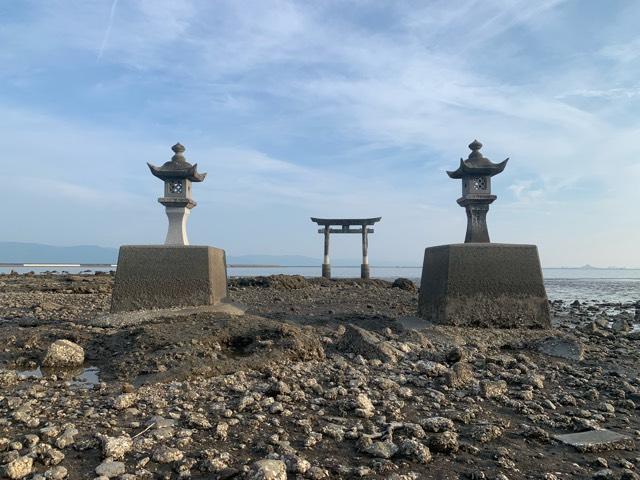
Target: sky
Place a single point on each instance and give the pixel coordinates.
(329, 109)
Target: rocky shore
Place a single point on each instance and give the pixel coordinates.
(319, 380)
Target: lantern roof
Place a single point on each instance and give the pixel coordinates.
(477, 164)
(177, 167)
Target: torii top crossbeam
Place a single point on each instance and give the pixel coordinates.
(346, 221)
(345, 224)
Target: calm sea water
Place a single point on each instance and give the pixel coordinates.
(568, 284)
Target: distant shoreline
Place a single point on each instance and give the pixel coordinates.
(251, 265)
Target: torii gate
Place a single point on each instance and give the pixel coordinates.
(345, 224)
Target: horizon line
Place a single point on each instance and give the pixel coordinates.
(249, 265)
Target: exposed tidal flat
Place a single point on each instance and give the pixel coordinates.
(320, 379)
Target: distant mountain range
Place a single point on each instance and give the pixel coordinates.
(18, 252)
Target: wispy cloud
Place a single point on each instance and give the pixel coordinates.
(299, 107)
(610, 93)
(107, 32)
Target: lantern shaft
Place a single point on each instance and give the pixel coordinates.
(177, 232)
(477, 231)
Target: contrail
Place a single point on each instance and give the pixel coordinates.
(107, 32)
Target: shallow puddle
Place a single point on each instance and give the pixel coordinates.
(25, 374)
(80, 377)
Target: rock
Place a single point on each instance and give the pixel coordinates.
(537, 433)
(416, 337)
(31, 440)
(620, 324)
(533, 379)
(8, 378)
(222, 430)
(363, 406)
(67, 438)
(317, 473)
(386, 449)
(115, 447)
(597, 440)
(198, 420)
(56, 473)
(10, 456)
(296, 464)
(368, 344)
(110, 469)
(404, 284)
(63, 353)
(486, 433)
(459, 375)
(48, 455)
(278, 282)
(46, 306)
(437, 424)
(605, 473)
(431, 369)
(334, 431)
(413, 449)
(268, 470)
(566, 347)
(445, 442)
(18, 468)
(125, 400)
(164, 454)
(493, 389)
(455, 354)
(628, 474)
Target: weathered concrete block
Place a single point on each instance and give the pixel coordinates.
(166, 276)
(484, 285)
(597, 441)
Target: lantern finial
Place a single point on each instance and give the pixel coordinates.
(178, 150)
(475, 146)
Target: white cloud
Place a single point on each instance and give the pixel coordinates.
(301, 74)
(622, 52)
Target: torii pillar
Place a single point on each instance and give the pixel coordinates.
(326, 263)
(364, 267)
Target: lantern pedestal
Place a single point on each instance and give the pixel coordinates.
(168, 276)
(483, 285)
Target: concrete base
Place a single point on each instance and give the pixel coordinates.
(365, 273)
(326, 270)
(163, 276)
(139, 317)
(484, 285)
(597, 441)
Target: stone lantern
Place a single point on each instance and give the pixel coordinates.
(176, 274)
(177, 174)
(476, 172)
(478, 283)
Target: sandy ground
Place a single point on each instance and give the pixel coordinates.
(332, 379)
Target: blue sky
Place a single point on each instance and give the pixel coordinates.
(332, 108)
